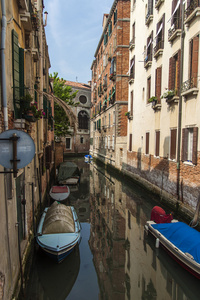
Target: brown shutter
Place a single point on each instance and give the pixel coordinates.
(131, 103)
(173, 144)
(195, 52)
(170, 73)
(184, 144)
(195, 141)
(179, 65)
(147, 142)
(158, 83)
(130, 142)
(157, 143)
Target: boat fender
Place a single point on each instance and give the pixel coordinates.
(189, 255)
(146, 228)
(157, 243)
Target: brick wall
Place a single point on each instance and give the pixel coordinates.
(163, 173)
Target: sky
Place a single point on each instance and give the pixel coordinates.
(73, 31)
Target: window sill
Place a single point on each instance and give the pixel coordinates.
(148, 64)
(158, 53)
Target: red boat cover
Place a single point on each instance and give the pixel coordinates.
(59, 189)
(158, 215)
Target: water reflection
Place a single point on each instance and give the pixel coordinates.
(117, 260)
(126, 261)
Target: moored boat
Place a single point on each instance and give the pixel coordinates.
(88, 158)
(180, 241)
(58, 231)
(59, 193)
(68, 173)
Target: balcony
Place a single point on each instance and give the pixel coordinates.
(132, 44)
(149, 18)
(131, 78)
(25, 12)
(158, 49)
(158, 3)
(174, 31)
(189, 87)
(148, 61)
(192, 11)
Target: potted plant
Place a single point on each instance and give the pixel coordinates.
(168, 95)
(153, 100)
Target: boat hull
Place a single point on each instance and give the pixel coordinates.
(180, 257)
(57, 193)
(58, 245)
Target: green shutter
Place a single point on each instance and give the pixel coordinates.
(45, 108)
(21, 72)
(15, 71)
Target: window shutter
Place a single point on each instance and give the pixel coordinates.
(195, 53)
(172, 70)
(195, 140)
(147, 142)
(130, 142)
(15, 65)
(157, 143)
(173, 7)
(184, 144)
(158, 83)
(179, 64)
(131, 103)
(173, 144)
(163, 30)
(21, 72)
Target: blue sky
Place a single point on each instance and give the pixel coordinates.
(73, 30)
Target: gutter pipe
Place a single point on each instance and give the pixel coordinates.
(3, 39)
(180, 101)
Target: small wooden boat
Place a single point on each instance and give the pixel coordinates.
(180, 241)
(68, 173)
(58, 231)
(59, 193)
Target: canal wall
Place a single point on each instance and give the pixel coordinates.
(182, 210)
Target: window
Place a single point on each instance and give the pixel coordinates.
(157, 149)
(160, 33)
(81, 140)
(113, 142)
(147, 143)
(149, 48)
(109, 120)
(113, 117)
(132, 68)
(105, 142)
(148, 88)
(189, 144)
(83, 99)
(68, 143)
(133, 33)
(108, 142)
(173, 143)
(174, 72)
(83, 120)
(158, 83)
(130, 142)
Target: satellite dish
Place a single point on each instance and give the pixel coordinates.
(25, 148)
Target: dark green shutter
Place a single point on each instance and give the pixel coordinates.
(21, 72)
(15, 67)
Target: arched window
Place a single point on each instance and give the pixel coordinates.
(83, 120)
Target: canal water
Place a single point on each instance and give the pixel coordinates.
(115, 260)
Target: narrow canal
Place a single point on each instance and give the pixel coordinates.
(115, 259)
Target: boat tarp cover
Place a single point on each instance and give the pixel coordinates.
(60, 189)
(184, 237)
(158, 215)
(67, 169)
(58, 219)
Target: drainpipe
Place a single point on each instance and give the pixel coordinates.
(3, 39)
(180, 100)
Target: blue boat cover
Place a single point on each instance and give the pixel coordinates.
(184, 237)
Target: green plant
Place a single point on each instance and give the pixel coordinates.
(25, 102)
(37, 113)
(168, 94)
(127, 113)
(153, 98)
